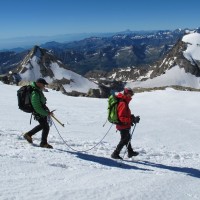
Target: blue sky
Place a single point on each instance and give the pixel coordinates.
(51, 17)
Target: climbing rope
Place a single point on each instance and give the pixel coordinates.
(82, 150)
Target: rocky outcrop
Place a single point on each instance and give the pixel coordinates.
(94, 93)
(176, 57)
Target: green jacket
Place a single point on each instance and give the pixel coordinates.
(38, 101)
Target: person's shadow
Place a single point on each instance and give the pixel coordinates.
(185, 170)
(103, 161)
(116, 163)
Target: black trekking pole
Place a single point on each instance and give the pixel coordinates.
(129, 142)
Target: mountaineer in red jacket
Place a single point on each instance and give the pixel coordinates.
(126, 121)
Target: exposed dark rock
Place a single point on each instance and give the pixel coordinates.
(176, 57)
(94, 93)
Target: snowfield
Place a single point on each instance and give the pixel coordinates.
(167, 139)
(176, 75)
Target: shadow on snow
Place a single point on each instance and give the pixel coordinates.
(185, 170)
(103, 161)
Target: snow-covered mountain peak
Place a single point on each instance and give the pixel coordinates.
(181, 66)
(42, 63)
(193, 46)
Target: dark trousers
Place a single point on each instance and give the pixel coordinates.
(125, 138)
(44, 126)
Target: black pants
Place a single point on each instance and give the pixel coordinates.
(125, 137)
(44, 126)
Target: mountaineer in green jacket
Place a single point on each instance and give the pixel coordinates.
(41, 112)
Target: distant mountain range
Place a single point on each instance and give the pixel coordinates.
(121, 50)
(126, 49)
(148, 59)
(179, 67)
(17, 43)
(9, 60)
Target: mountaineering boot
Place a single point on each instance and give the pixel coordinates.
(28, 138)
(115, 155)
(46, 145)
(132, 153)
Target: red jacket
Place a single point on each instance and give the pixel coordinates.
(124, 113)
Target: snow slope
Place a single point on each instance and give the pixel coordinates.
(193, 49)
(174, 76)
(33, 71)
(167, 138)
(177, 75)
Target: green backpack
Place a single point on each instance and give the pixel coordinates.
(112, 109)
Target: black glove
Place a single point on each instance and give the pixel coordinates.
(137, 119)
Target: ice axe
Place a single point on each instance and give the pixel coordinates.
(57, 119)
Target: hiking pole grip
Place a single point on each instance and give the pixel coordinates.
(58, 121)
